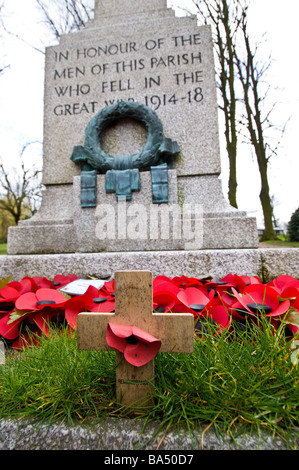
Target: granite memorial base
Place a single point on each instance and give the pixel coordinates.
(266, 262)
(196, 217)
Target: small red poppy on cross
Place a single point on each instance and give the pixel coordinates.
(138, 346)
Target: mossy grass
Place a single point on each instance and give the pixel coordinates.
(241, 377)
(3, 249)
(283, 243)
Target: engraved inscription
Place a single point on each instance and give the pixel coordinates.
(87, 78)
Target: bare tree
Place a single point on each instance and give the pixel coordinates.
(257, 118)
(2, 66)
(20, 190)
(64, 16)
(241, 81)
(59, 16)
(225, 17)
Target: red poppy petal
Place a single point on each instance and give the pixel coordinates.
(159, 279)
(292, 294)
(92, 292)
(73, 307)
(166, 300)
(220, 315)
(43, 318)
(52, 295)
(227, 299)
(165, 286)
(192, 296)
(262, 294)
(121, 331)
(109, 287)
(141, 353)
(60, 280)
(280, 310)
(105, 307)
(143, 335)
(26, 341)
(116, 334)
(43, 282)
(9, 331)
(294, 329)
(26, 301)
(284, 281)
(28, 285)
(9, 293)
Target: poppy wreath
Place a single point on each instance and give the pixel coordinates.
(29, 307)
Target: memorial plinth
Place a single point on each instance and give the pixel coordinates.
(139, 53)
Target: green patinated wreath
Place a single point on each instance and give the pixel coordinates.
(157, 150)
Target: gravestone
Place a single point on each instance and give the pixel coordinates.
(134, 308)
(133, 53)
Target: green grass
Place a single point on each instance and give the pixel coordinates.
(3, 248)
(283, 243)
(231, 380)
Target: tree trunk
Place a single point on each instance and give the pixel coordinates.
(269, 233)
(249, 78)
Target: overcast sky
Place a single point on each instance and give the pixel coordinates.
(21, 97)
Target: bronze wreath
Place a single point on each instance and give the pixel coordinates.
(157, 149)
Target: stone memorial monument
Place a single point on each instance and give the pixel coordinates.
(131, 144)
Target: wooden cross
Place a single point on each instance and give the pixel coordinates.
(134, 307)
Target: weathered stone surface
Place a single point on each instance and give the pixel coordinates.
(162, 65)
(277, 262)
(125, 226)
(216, 263)
(42, 238)
(120, 434)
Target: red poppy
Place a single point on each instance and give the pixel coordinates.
(74, 306)
(108, 288)
(183, 282)
(27, 284)
(281, 283)
(27, 340)
(100, 300)
(11, 329)
(287, 288)
(293, 329)
(48, 316)
(165, 302)
(240, 282)
(193, 300)
(8, 294)
(214, 312)
(215, 288)
(161, 279)
(40, 299)
(234, 281)
(60, 280)
(138, 346)
(259, 298)
(42, 282)
(164, 295)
